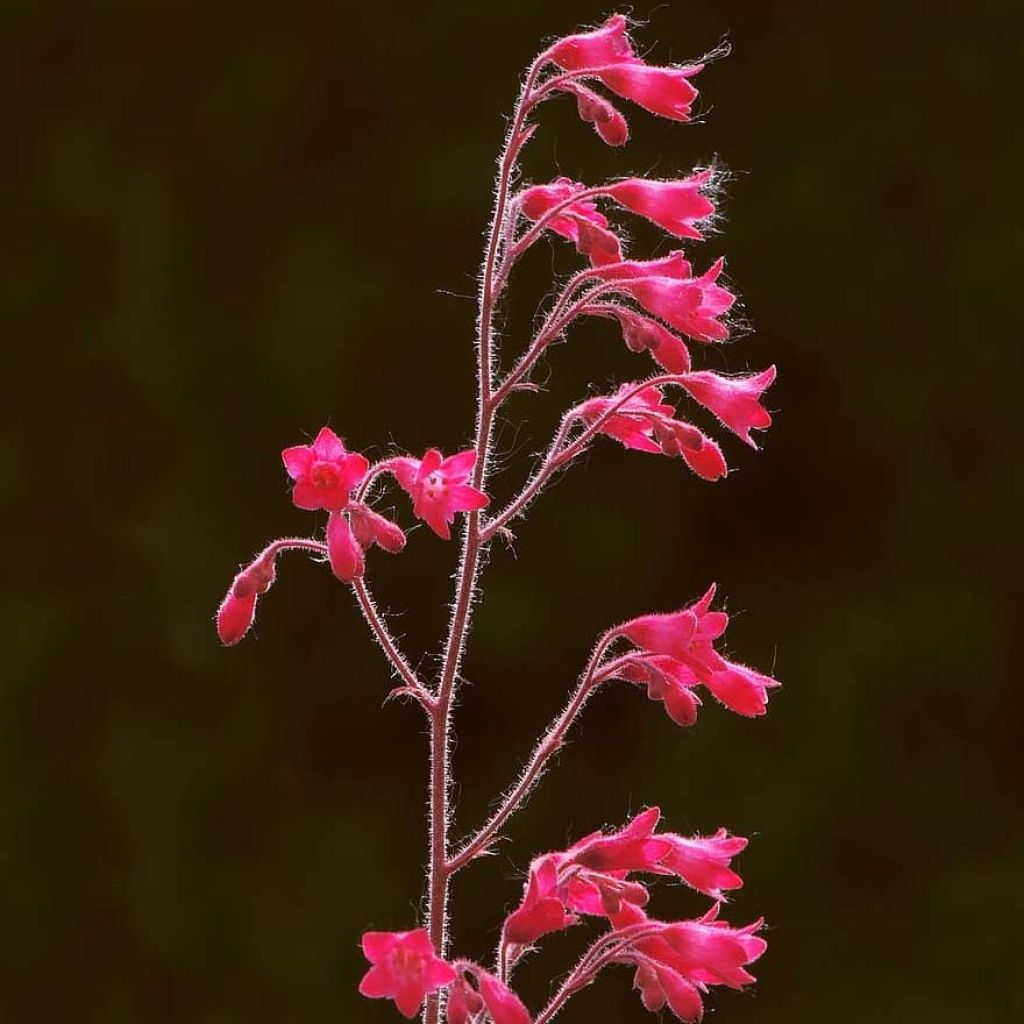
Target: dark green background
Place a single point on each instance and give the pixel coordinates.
(222, 232)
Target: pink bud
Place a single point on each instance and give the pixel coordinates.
(597, 243)
(503, 1005)
(608, 44)
(371, 528)
(257, 578)
(235, 617)
(596, 110)
(343, 550)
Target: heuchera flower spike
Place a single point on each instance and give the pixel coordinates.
(405, 969)
(438, 487)
(660, 305)
(324, 472)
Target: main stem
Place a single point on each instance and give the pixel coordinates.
(440, 730)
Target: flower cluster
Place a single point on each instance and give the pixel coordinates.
(665, 311)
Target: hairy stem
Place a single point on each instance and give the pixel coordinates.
(388, 644)
(440, 752)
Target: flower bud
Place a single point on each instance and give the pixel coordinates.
(343, 550)
(235, 617)
(371, 528)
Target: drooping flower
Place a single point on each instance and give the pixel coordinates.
(659, 984)
(541, 911)
(464, 1001)
(688, 637)
(676, 206)
(608, 44)
(344, 552)
(235, 617)
(405, 969)
(703, 861)
(593, 108)
(668, 681)
(632, 423)
(642, 334)
(372, 528)
(665, 91)
(503, 1005)
(324, 472)
(734, 400)
(694, 447)
(634, 847)
(581, 222)
(438, 487)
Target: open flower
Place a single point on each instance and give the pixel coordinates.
(438, 487)
(665, 91)
(581, 221)
(405, 969)
(734, 400)
(675, 206)
(608, 44)
(325, 474)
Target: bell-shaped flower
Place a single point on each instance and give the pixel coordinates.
(405, 969)
(632, 423)
(676, 206)
(581, 222)
(541, 911)
(740, 688)
(438, 487)
(668, 681)
(712, 952)
(634, 847)
(344, 552)
(594, 109)
(237, 611)
(324, 472)
(734, 400)
(608, 44)
(371, 528)
(703, 861)
(503, 1005)
(665, 91)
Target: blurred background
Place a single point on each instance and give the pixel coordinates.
(224, 232)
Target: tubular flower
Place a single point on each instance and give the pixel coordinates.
(645, 422)
(675, 206)
(634, 847)
(503, 1005)
(703, 861)
(372, 528)
(668, 681)
(658, 984)
(608, 44)
(237, 611)
(324, 472)
(642, 334)
(405, 969)
(596, 110)
(438, 487)
(343, 550)
(580, 222)
(541, 911)
(734, 400)
(688, 637)
(666, 92)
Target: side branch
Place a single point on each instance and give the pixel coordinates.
(552, 741)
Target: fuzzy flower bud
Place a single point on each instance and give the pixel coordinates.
(372, 528)
(594, 109)
(343, 550)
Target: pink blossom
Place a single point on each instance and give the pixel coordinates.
(464, 1001)
(675, 265)
(675, 206)
(343, 550)
(438, 487)
(633, 848)
(541, 911)
(581, 222)
(608, 44)
(372, 528)
(405, 969)
(503, 1005)
(596, 110)
(235, 617)
(694, 447)
(712, 952)
(665, 91)
(659, 984)
(324, 472)
(703, 862)
(669, 681)
(641, 333)
(632, 424)
(741, 689)
(734, 400)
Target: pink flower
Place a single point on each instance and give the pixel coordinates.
(666, 92)
(343, 550)
(711, 952)
(463, 1002)
(237, 611)
(633, 848)
(688, 637)
(734, 400)
(404, 969)
(658, 984)
(596, 110)
(324, 472)
(608, 44)
(675, 265)
(438, 487)
(695, 448)
(641, 333)
(581, 222)
(668, 681)
(541, 911)
(703, 862)
(632, 424)
(372, 528)
(673, 205)
(504, 1006)
(235, 617)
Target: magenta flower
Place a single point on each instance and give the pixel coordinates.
(634, 847)
(594, 109)
(632, 424)
(668, 681)
(734, 400)
(581, 222)
(658, 984)
(608, 44)
(691, 306)
(235, 617)
(343, 550)
(324, 472)
(405, 969)
(740, 688)
(641, 333)
(666, 92)
(695, 448)
(438, 487)
(371, 528)
(504, 1006)
(703, 862)
(675, 206)
(541, 911)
